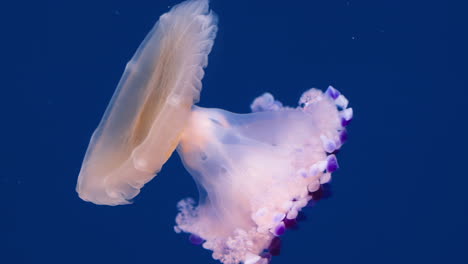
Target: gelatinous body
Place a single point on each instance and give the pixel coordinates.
(255, 171)
(150, 107)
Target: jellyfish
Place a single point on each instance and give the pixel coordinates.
(255, 172)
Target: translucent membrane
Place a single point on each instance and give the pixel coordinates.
(150, 107)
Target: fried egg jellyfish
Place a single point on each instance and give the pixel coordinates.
(255, 171)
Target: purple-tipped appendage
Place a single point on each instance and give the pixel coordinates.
(343, 136)
(332, 163)
(346, 116)
(275, 246)
(279, 229)
(344, 122)
(332, 92)
(290, 223)
(196, 240)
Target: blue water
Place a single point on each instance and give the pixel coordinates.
(399, 197)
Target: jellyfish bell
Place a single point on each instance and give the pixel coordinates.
(150, 107)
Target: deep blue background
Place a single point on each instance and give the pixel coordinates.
(400, 195)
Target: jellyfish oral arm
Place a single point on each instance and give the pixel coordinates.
(257, 171)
